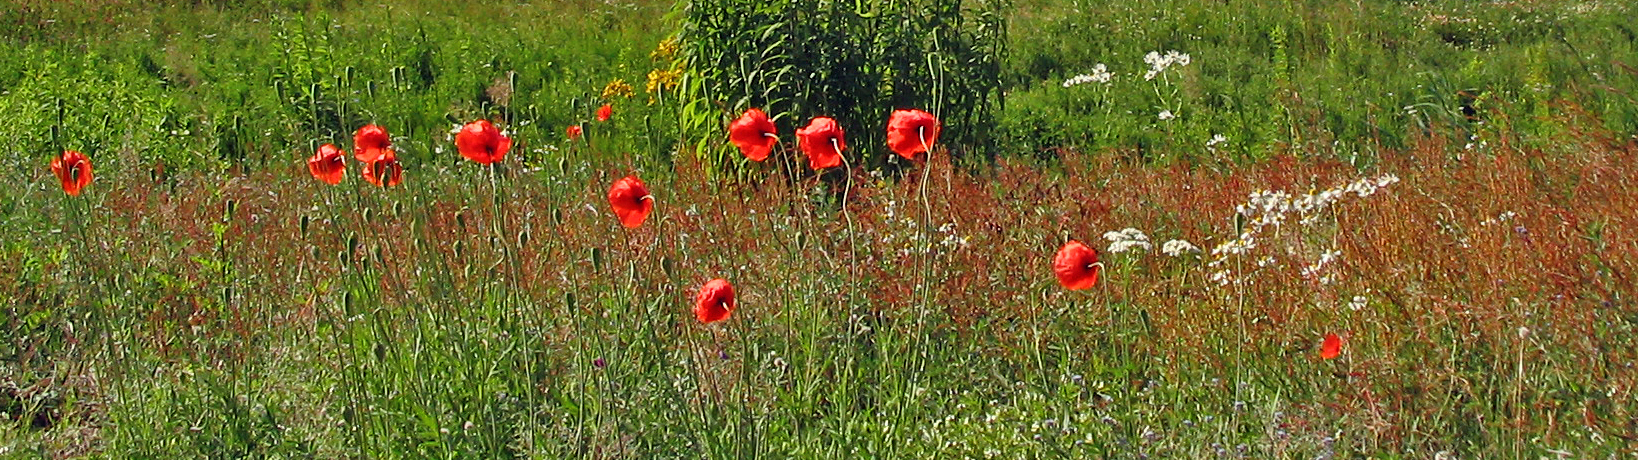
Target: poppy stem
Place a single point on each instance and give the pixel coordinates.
(852, 242)
(927, 242)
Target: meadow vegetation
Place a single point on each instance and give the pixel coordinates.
(1443, 185)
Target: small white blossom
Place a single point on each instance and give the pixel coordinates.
(1166, 115)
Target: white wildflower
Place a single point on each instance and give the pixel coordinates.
(1357, 304)
(1158, 63)
(1126, 240)
(1166, 115)
(1220, 277)
(1235, 246)
(1177, 248)
(1216, 140)
(1100, 74)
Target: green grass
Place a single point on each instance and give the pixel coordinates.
(205, 298)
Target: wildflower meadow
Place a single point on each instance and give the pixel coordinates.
(816, 229)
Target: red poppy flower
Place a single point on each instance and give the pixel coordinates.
(754, 134)
(822, 141)
(73, 169)
(479, 141)
(327, 164)
(371, 143)
(1077, 266)
(604, 112)
(631, 201)
(910, 132)
(715, 302)
(1331, 347)
(574, 131)
(385, 173)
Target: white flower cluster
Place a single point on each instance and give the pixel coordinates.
(1126, 240)
(1167, 115)
(1158, 63)
(1177, 248)
(1314, 271)
(1237, 246)
(1216, 140)
(1265, 208)
(1270, 208)
(1100, 74)
(1358, 303)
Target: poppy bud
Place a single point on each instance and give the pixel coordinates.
(304, 220)
(347, 302)
(227, 294)
(366, 214)
(597, 259)
(557, 217)
(397, 208)
(456, 249)
(568, 301)
(523, 238)
(352, 246)
(227, 210)
(665, 266)
(379, 256)
(460, 218)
